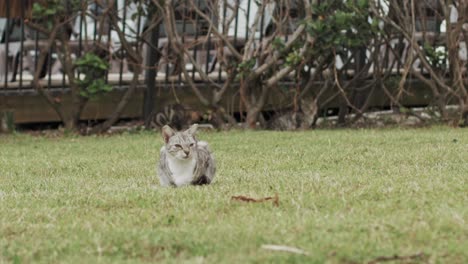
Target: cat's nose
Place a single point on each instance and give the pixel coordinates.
(186, 152)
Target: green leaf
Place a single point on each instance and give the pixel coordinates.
(84, 94)
(363, 4)
(107, 88)
(404, 110)
(278, 43)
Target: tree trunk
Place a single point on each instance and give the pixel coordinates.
(252, 117)
(153, 56)
(464, 113)
(342, 113)
(7, 122)
(442, 105)
(70, 123)
(465, 118)
(360, 95)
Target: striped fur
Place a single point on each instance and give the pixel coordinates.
(184, 160)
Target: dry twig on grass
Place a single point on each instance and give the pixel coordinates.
(418, 256)
(253, 200)
(285, 249)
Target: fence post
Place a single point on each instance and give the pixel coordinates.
(152, 55)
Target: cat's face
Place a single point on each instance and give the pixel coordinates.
(180, 144)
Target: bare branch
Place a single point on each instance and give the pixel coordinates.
(276, 56)
(41, 60)
(174, 40)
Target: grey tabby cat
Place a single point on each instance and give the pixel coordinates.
(184, 160)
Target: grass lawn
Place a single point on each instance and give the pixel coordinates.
(345, 196)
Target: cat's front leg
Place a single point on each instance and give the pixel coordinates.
(165, 181)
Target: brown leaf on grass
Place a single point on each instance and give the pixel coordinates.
(418, 256)
(253, 200)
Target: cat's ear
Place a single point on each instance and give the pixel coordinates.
(193, 129)
(167, 132)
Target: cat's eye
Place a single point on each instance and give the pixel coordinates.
(177, 146)
(192, 144)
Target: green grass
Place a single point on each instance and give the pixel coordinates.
(346, 196)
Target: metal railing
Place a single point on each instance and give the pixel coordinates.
(21, 45)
